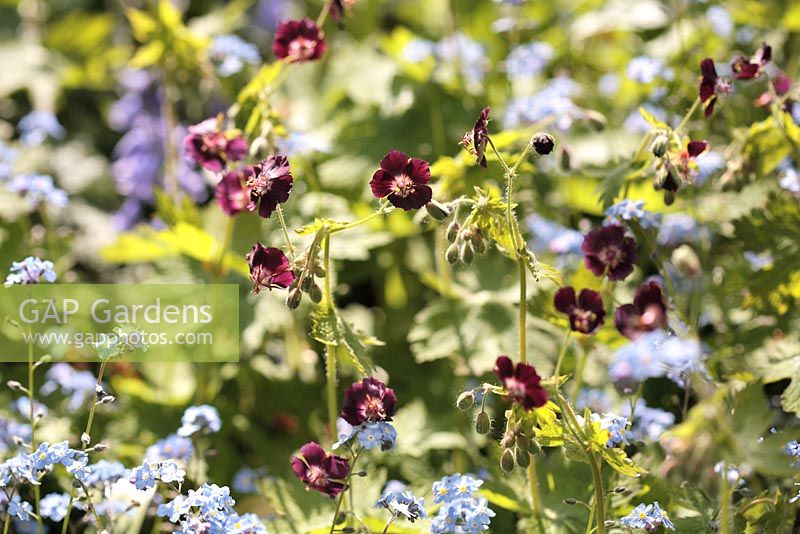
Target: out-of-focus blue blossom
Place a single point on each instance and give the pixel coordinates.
(105, 472)
(549, 236)
(616, 426)
(645, 69)
(37, 189)
(608, 83)
(18, 469)
(417, 50)
(635, 123)
(8, 157)
(230, 53)
(720, 20)
(393, 486)
(302, 143)
(39, 125)
(54, 506)
(269, 13)
(20, 509)
(656, 354)
(11, 430)
(404, 504)
(23, 406)
(554, 101)
(203, 418)
(596, 400)
(648, 517)
(467, 54)
(245, 480)
(793, 449)
(728, 471)
(75, 384)
(172, 447)
(788, 177)
(759, 261)
(528, 60)
(461, 509)
(708, 164)
(650, 423)
(510, 2)
(678, 228)
(746, 34)
(31, 270)
(628, 210)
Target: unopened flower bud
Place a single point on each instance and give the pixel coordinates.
(451, 255)
(566, 161)
(465, 401)
(452, 231)
(522, 441)
(315, 294)
(437, 210)
(685, 260)
(467, 253)
(294, 298)
(660, 178)
(15, 386)
(508, 441)
(507, 461)
(610, 523)
(478, 242)
(543, 143)
(570, 501)
(522, 456)
(483, 423)
(108, 399)
(619, 489)
(85, 438)
(534, 447)
(659, 145)
(307, 283)
(319, 271)
(597, 121)
(669, 198)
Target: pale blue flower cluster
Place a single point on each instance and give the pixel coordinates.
(200, 419)
(628, 210)
(646, 70)
(635, 123)
(370, 435)
(418, 50)
(77, 385)
(39, 125)
(461, 509)
(230, 53)
(146, 475)
(549, 236)
(457, 50)
(678, 228)
(528, 60)
(616, 426)
(10, 432)
(31, 270)
(23, 406)
(209, 509)
(29, 468)
(54, 506)
(37, 189)
(788, 177)
(104, 473)
(720, 20)
(553, 101)
(246, 479)
(8, 157)
(597, 400)
(708, 164)
(759, 261)
(19, 509)
(650, 423)
(403, 503)
(793, 449)
(656, 354)
(302, 143)
(648, 517)
(173, 446)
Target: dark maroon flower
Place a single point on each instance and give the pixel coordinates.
(298, 40)
(368, 401)
(711, 85)
(521, 383)
(480, 137)
(586, 312)
(270, 185)
(745, 68)
(782, 84)
(211, 148)
(269, 268)
(232, 192)
(320, 470)
(648, 311)
(609, 250)
(403, 180)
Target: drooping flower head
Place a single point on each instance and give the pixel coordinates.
(298, 40)
(31, 270)
(319, 470)
(684, 166)
(212, 148)
(368, 401)
(586, 312)
(403, 180)
(232, 191)
(745, 68)
(647, 312)
(521, 383)
(270, 185)
(610, 251)
(269, 268)
(480, 137)
(711, 85)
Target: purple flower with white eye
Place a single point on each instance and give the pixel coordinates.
(39, 125)
(609, 251)
(196, 419)
(270, 185)
(211, 147)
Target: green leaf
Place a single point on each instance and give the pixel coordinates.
(505, 502)
(618, 460)
(329, 328)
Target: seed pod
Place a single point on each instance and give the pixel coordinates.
(566, 161)
(507, 461)
(483, 423)
(306, 283)
(319, 271)
(465, 401)
(669, 198)
(659, 145)
(451, 255)
(467, 254)
(437, 210)
(522, 440)
(508, 441)
(570, 501)
(478, 242)
(294, 298)
(534, 447)
(543, 143)
(523, 457)
(452, 231)
(659, 178)
(315, 293)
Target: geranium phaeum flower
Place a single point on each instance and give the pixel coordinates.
(403, 181)
(750, 68)
(610, 251)
(711, 85)
(232, 192)
(368, 401)
(648, 311)
(480, 137)
(269, 268)
(521, 383)
(782, 84)
(211, 148)
(270, 185)
(298, 40)
(586, 312)
(319, 470)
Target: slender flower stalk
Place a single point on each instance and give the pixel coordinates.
(36, 491)
(330, 349)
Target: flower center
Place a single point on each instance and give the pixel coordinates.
(584, 319)
(213, 143)
(317, 476)
(515, 388)
(373, 408)
(611, 256)
(302, 48)
(403, 185)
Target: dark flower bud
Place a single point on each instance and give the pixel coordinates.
(610, 523)
(534, 447)
(660, 178)
(669, 198)
(315, 293)
(465, 401)
(659, 145)
(478, 242)
(570, 501)
(451, 255)
(509, 440)
(483, 423)
(437, 210)
(507, 461)
(307, 283)
(319, 271)
(467, 253)
(452, 231)
(543, 143)
(566, 163)
(522, 456)
(619, 489)
(294, 298)
(522, 441)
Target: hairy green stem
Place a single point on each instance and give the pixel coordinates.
(31, 413)
(330, 349)
(282, 222)
(725, 502)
